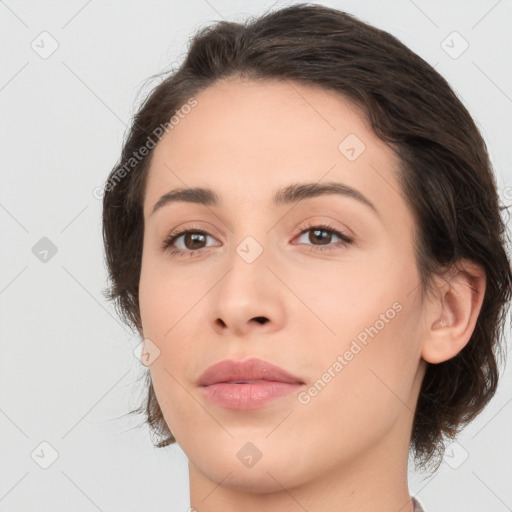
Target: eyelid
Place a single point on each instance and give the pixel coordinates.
(317, 222)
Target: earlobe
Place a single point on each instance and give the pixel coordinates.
(452, 317)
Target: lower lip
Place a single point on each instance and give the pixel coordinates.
(251, 395)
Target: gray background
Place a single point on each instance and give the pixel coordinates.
(68, 374)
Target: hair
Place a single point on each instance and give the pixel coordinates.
(445, 176)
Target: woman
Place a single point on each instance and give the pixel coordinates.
(304, 229)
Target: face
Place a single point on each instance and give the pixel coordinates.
(322, 284)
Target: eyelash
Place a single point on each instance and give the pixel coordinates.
(172, 237)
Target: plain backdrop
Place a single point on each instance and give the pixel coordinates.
(71, 75)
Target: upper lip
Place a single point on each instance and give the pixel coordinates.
(231, 370)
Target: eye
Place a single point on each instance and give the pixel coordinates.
(321, 237)
(192, 240)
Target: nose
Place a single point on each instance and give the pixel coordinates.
(249, 299)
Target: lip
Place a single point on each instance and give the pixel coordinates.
(247, 383)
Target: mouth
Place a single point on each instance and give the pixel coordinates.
(246, 384)
(244, 381)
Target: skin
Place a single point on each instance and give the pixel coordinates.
(347, 448)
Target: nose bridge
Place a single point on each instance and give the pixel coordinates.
(250, 242)
(248, 274)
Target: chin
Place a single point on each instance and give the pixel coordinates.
(256, 470)
(260, 479)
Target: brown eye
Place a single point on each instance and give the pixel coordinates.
(319, 236)
(323, 236)
(186, 241)
(194, 240)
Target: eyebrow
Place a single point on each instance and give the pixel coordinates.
(291, 194)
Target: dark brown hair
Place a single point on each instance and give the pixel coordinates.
(445, 176)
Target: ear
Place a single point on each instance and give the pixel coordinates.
(452, 314)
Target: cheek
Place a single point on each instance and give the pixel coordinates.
(166, 295)
(348, 300)
(167, 314)
(167, 311)
(372, 346)
(372, 387)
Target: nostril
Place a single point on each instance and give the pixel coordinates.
(261, 319)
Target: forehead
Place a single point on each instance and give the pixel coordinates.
(247, 138)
